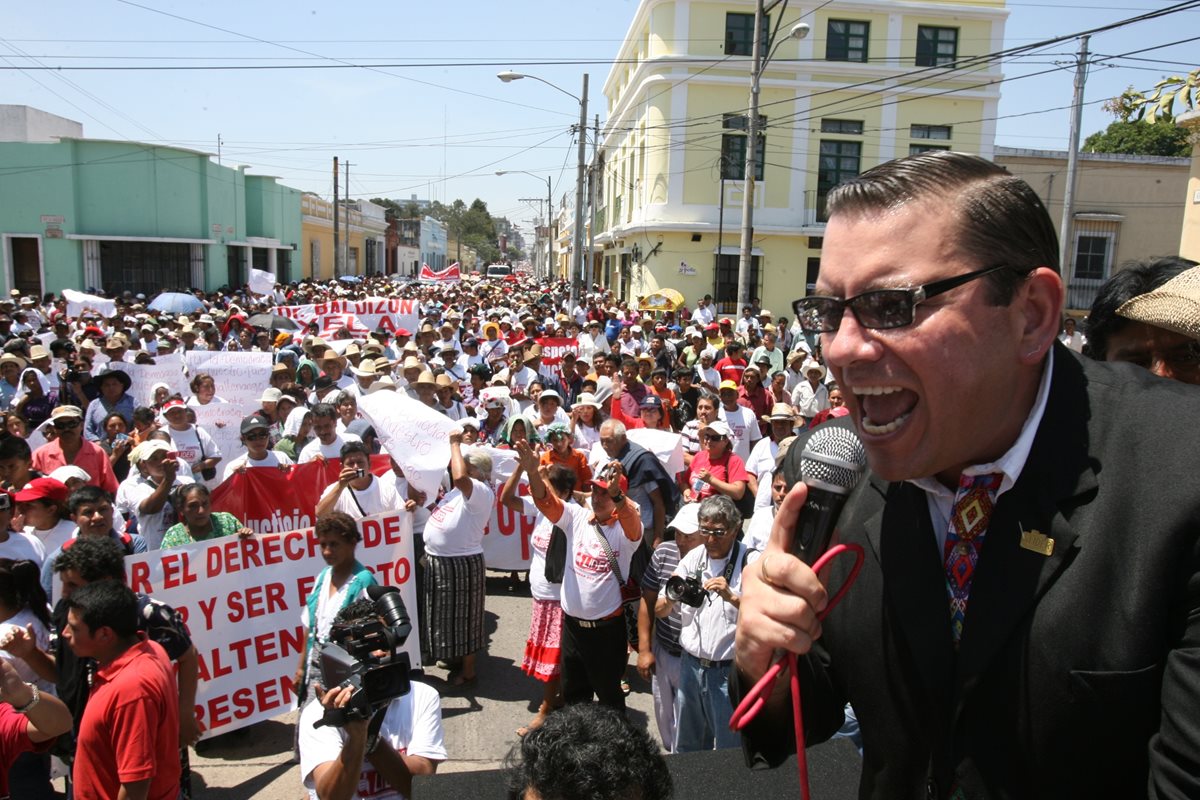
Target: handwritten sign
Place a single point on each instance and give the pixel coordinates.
(240, 377)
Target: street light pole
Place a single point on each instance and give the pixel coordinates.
(757, 66)
(580, 176)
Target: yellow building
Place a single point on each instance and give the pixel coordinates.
(1189, 239)
(1126, 208)
(871, 82)
(362, 228)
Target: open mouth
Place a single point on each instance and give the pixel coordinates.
(885, 409)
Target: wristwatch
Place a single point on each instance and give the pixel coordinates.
(33, 701)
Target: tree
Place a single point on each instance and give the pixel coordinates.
(1160, 104)
(1140, 139)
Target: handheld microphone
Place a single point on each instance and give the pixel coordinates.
(831, 465)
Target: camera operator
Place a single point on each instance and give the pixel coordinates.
(356, 491)
(706, 587)
(336, 763)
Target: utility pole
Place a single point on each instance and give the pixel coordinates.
(337, 252)
(346, 203)
(537, 252)
(580, 182)
(1066, 230)
(746, 260)
(593, 185)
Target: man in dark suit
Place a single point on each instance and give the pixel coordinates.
(1070, 665)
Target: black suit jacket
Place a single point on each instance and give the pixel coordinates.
(1078, 673)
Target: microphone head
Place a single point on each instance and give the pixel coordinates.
(833, 459)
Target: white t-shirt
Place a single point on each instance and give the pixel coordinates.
(589, 589)
(40, 634)
(758, 532)
(420, 513)
(191, 442)
(456, 526)
(273, 459)
(20, 546)
(151, 527)
(762, 465)
(539, 540)
(412, 726)
(744, 427)
(53, 538)
(328, 451)
(377, 497)
(707, 631)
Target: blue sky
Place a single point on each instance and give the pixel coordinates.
(435, 129)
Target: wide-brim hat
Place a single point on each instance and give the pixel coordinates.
(425, 379)
(365, 369)
(811, 365)
(586, 399)
(120, 375)
(1174, 306)
(779, 411)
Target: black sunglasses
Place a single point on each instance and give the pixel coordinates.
(65, 424)
(718, 532)
(879, 309)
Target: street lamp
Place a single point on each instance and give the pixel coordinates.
(757, 67)
(577, 270)
(549, 204)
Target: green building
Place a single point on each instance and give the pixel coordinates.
(79, 213)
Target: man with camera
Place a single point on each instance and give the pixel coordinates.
(357, 492)
(352, 747)
(706, 587)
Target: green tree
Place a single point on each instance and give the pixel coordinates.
(1140, 139)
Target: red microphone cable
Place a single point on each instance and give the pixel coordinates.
(755, 699)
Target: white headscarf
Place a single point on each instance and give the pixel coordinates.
(22, 390)
(295, 419)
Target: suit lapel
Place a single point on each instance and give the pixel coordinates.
(914, 582)
(1010, 578)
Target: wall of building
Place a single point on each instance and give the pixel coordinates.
(1189, 238)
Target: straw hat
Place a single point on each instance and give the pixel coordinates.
(1174, 306)
(425, 379)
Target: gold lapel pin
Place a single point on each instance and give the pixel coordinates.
(1038, 542)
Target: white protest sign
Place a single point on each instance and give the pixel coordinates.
(667, 447)
(413, 434)
(165, 369)
(359, 317)
(223, 422)
(261, 281)
(240, 377)
(243, 599)
(79, 302)
(506, 540)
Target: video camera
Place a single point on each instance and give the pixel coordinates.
(363, 655)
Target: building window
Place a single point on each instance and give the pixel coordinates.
(853, 127)
(726, 293)
(733, 148)
(739, 33)
(917, 149)
(840, 161)
(930, 132)
(936, 47)
(145, 266)
(846, 40)
(1091, 257)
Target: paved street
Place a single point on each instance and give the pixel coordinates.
(480, 725)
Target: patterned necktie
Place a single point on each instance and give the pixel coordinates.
(969, 519)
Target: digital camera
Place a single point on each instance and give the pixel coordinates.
(364, 655)
(688, 591)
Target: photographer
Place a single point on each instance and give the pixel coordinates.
(335, 763)
(706, 587)
(357, 492)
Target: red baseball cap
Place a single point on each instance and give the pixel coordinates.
(622, 483)
(43, 489)
(172, 404)
(712, 327)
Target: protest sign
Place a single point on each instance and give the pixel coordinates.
(553, 349)
(270, 500)
(359, 317)
(506, 539)
(240, 377)
(261, 281)
(243, 599)
(165, 369)
(79, 302)
(412, 433)
(223, 421)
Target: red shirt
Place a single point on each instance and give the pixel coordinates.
(728, 469)
(759, 401)
(90, 458)
(130, 728)
(731, 369)
(14, 740)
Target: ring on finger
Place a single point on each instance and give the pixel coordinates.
(766, 578)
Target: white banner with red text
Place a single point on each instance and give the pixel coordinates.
(243, 599)
(357, 316)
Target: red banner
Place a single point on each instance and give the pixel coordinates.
(552, 353)
(448, 275)
(269, 499)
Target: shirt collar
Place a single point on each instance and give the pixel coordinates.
(1013, 461)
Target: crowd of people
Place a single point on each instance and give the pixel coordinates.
(634, 555)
